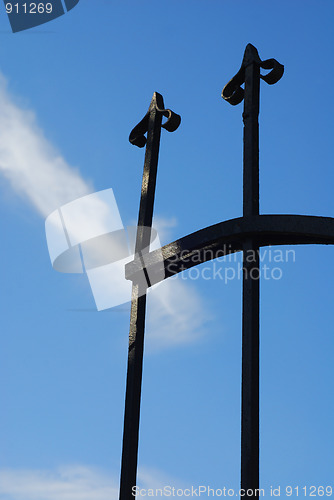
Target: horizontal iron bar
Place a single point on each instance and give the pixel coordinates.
(228, 237)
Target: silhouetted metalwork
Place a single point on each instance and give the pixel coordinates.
(151, 123)
(247, 234)
(249, 74)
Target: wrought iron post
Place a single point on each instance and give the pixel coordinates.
(247, 234)
(251, 280)
(249, 74)
(151, 123)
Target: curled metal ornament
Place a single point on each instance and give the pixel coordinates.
(276, 72)
(173, 119)
(233, 92)
(137, 134)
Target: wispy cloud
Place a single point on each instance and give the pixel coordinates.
(73, 483)
(153, 478)
(39, 173)
(65, 483)
(177, 315)
(164, 227)
(32, 165)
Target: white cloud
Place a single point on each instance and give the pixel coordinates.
(73, 483)
(39, 173)
(65, 483)
(152, 478)
(164, 225)
(34, 168)
(176, 315)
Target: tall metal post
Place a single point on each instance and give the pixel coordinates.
(251, 280)
(151, 123)
(249, 74)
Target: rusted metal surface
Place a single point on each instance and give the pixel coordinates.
(150, 124)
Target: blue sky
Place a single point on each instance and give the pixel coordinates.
(71, 91)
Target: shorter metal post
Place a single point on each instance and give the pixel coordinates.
(133, 393)
(151, 123)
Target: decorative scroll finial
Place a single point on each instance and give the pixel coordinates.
(233, 92)
(137, 135)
